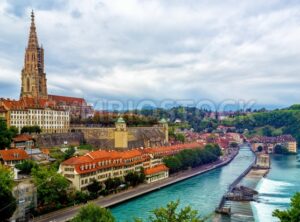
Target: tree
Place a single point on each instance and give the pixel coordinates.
(6, 134)
(134, 178)
(293, 213)
(31, 129)
(267, 131)
(173, 163)
(69, 152)
(8, 204)
(26, 166)
(7, 201)
(180, 137)
(171, 213)
(94, 187)
(112, 183)
(93, 213)
(51, 186)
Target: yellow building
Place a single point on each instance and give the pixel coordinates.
(121, 134)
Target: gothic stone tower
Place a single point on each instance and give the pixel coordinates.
(34, 82)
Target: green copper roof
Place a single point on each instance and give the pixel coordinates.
(120, 120)
(163, 120)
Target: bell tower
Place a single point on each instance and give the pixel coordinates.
(34, 82)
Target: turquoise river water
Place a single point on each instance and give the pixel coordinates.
(202, 192)
(278, 187)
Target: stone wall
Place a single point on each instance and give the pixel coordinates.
(59, 139)
(137, 136)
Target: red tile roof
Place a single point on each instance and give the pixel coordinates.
(156, 169)
(13, 154)
(22, 138)
(26, 103)
(67, 100)
(92, 160)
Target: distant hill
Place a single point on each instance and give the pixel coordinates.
(271, 123)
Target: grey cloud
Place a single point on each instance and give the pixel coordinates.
(151, 49)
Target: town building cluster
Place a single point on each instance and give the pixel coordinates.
(101, 165)
(224, 140)
(268, 144)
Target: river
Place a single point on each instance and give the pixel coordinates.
(202, 192)
(278, 187)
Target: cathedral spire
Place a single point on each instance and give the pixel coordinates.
(34, 82)
(33, 40)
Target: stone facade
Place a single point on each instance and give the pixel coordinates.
(123, 137)
(58, 139)
(34, 82)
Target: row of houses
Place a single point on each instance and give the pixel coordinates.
(224, 140)
(268, 144)
(102, 164)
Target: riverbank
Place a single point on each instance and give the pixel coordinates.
(112, 200)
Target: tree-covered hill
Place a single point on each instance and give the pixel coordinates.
(270, 123)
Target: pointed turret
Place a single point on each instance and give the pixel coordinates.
(33, 40)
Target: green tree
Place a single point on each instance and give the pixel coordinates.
(173, 163)
(180, 137)
(6, 134)
(94, 187)
(31, 129)
(171, 213)
(7, 201)
(112, 183)
(26, 166)
(69, 152)
(267, 131)
(292, 214)
(51, 186)
(93, 213)
(134, 178)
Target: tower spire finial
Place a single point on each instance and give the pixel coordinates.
(33, 41)
(32, 15)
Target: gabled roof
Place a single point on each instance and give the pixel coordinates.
(156, 169)
(13, 154)
(22, 138)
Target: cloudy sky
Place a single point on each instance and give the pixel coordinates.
(149, 49)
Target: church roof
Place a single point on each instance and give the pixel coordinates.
(67, 100)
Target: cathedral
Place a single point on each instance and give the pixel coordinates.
(34, 82)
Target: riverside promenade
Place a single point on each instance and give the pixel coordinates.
(114, 199)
